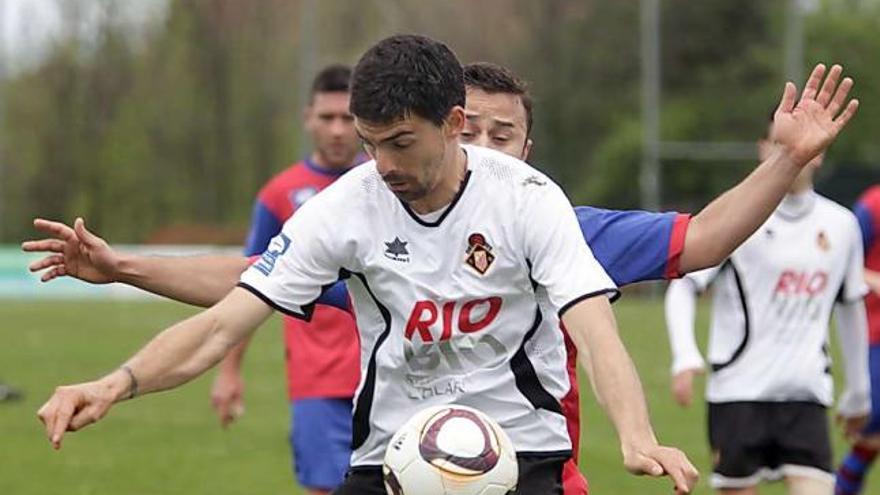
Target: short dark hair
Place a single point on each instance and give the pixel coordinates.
(332, 79)
(407, 74)
(494, 78)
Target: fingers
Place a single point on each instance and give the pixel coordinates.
(830, 84)
(812, 87)
(848, 113)
(679, 469)
(789, 94)
(53, 273)
(646, 465)
(47, 262)
(58, 421)
(86, 236)
(43, 245)
(836, 103)
(56, 229)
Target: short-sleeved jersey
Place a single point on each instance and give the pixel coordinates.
(867, 211)
(451, 309)
(773, 300)
(322, 355)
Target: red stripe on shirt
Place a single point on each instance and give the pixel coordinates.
(676, 246)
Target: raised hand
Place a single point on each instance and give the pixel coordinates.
(806, 127)
(73, 252)
(657, 460)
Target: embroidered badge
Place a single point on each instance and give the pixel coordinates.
(479, 253)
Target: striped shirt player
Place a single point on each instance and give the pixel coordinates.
(479, 335)
(852, 471)
(768, 347)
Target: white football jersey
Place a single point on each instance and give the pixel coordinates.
(773, 300)
(447, 305)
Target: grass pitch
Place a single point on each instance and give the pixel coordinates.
(172, 443)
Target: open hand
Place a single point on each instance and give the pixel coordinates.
(73, 252)
(805, 128)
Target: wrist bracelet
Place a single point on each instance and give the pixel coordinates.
(134, 383)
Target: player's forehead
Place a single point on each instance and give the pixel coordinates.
(495, 108)
(331, 101)
(376, 132)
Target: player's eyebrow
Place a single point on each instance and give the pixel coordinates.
(387, 139)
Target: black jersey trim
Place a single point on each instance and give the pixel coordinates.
(305, 315)
(436, 223)
(527, 378)
(747, 325)
(364, 402)
(615, 295)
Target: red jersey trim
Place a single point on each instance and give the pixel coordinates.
(676, 246)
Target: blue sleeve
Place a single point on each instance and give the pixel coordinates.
(336, 296)
(634, 246)
(264, 226)
(866, 223)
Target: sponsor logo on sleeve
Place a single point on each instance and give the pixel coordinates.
(277, 247)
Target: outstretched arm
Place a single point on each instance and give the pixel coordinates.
(618, 389)
(801, 130)
(78, 253)
(172, 358)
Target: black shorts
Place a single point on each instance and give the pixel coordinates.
(538, 475)
(765, 441)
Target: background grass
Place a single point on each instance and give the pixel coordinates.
(171, 443)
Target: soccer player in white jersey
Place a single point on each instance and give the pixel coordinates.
(453, 256)
(770, 381)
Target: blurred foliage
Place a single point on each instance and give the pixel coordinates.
(183, 125)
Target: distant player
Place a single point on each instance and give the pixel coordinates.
(322, 354)
(633, 245)
(771, 382)
(852, 471)
(453, 256)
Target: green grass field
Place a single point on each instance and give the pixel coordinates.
(172, 444)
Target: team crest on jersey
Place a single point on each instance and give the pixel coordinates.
(479, 253)
(300, 196)
(396, 250)
(822, 241)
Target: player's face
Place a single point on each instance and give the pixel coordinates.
(497, 121)
(411, 154)
(331, 128)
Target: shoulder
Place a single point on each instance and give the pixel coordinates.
(837, 214)
(504, 172)
(294, 176)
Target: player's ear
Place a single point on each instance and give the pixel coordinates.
(527, 149)
(454, 122)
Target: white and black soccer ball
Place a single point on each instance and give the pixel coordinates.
(450, 450)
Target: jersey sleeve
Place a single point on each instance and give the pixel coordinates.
(854, 287)
(867, 224)
(702, 279)
(635, 246)
(265, 224)
(301, 263)
(560, 259)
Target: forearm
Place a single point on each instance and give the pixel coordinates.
(189, 348)
(234, 358)
(612, 373)
(201, 281)
(681, 310)
(852, 333)
(730, 219)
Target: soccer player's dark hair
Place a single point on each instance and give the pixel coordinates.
(407, 75)
(494, 78)
(334, 78)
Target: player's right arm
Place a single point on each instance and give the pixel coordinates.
(172, 358)
(78, 253)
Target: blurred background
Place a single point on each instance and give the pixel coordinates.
(158, 121)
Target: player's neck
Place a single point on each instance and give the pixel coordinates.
(451, 181)
(319, 161)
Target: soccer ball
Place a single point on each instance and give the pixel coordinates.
(450, 450)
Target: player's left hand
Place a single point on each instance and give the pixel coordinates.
(74, 407)
(657, 460)
(806, 127)
(853, 426)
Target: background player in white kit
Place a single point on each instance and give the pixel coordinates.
(453, 254)
(770, 382)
